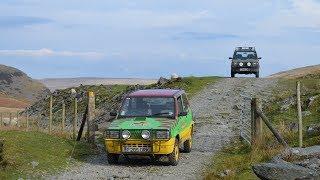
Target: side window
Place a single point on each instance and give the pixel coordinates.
(185, 102)
(180, 106)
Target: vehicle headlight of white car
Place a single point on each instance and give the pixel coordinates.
(163, 134)
(126, 134)
(241, 64)
(249, 64)
(145, 134)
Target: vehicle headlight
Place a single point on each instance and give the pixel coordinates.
(112, 134)
(145, 134)
(249, 64)
(162, 134)
(241, 64)
(126, 134)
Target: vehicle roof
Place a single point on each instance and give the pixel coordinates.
(156, 93)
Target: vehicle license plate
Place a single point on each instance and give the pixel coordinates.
(244, 69)
(129, 149)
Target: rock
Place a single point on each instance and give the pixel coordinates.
(311, 100)
(7, 122)
(162, 81)
(306, 113)
(174, 76)
(236, 107)
(313, 130)
(293, 126)
(283, 171)
(287, 103)
(225, 173)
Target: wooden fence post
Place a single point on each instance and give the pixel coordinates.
(299, 114)
(27, 121)
(256, 122)
(75, 118)
(50, 114)
(17, 118)
(1, 119)
(38, 122)
(63, 116)
(10, 119)
(91, 113)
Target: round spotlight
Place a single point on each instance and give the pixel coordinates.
(145, 134)
(126, 134)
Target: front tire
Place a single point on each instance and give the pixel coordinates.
(257, 74)
(175, 155)
(232, 74)
(187, 145)
(113, 158)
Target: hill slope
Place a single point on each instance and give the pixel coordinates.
(298, 73)
(18, 85)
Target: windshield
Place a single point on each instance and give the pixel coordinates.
(147, 106)
(243, 55)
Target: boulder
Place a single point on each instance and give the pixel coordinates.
(162, 81)
(283, 171)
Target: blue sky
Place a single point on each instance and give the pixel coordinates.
(148, 38)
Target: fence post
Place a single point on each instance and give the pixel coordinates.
(63, 116)
(299, 114)
(50, 114)
(17, 118)
(91, 113)
(27, 121)
(10, 119)
(256, 122)
(75, 118)
(1, 119)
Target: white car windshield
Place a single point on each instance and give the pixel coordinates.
(243, 55)
(147, 106)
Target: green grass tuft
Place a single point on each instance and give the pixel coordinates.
(50, 152)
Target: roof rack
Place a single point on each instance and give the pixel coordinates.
(245, 48)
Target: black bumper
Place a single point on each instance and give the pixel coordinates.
(245, 70)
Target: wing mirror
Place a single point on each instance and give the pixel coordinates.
(113, 113)
(230, 58)
(183, 113)
(259, 57)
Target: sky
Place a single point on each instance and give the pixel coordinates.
(149, 38)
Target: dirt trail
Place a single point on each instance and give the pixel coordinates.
(218, 109)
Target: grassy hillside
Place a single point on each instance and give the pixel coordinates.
(18, 85)
(34, 154)
(282, 111)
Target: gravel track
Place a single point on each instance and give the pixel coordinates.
(219, 111)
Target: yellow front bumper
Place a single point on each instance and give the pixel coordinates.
(115, 146)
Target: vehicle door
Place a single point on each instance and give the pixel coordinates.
(182, 119)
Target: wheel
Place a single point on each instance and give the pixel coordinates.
(257, 74)
(187, 145)
(174, 156)
(232, 74)
(113, 158)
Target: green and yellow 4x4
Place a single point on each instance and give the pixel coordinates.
(151, 123)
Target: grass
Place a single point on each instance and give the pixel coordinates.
(51, 153)
(239, 157)
(192, 85)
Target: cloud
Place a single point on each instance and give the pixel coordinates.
(21, 21)
(135, 18)
(299, 14)
(48, 52)
(202, 36)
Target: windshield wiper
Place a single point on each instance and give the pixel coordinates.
(163, 113)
